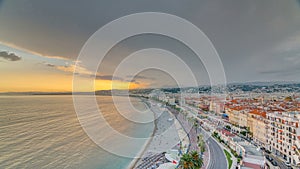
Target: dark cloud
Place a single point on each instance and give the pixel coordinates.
(9, 56)
(293, 70)
(52, 65)
(107, 77)
(240, 30)
(140, 77)
(283, 63)
(132, 81)
(49, 65)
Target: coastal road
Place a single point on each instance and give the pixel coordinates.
(216, 153)
(217, 157)
(281, 164)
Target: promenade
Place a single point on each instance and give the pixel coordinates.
(168, 135)
(217, 159)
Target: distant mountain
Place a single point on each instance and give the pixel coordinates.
(246, 86)
(259, 83)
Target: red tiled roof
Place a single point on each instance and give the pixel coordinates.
(260, 113)
(226, 132)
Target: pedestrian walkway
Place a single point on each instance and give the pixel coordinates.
(205, 157)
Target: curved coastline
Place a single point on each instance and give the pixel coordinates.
(134, 161)
(154, 143)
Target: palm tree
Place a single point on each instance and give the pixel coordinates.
(196, 159)
(186, 162)
(185, 114)
(196, 125)
(195, 122)
(201, 143)
(190, 160)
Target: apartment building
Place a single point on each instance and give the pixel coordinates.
(216, 106)
(283, 135)
(243, 118)
(257, 124)
(273, 123)
(237, 116)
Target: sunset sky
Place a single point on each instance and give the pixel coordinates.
(40, 41)
(33, 72)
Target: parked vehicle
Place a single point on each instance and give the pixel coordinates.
(288, 164)
(269, 158)
(274, 163)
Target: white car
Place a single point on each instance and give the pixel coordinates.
(170, 119)
(287, 163)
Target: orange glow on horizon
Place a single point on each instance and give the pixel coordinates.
(108, 85)
(28, 77)
(33, 74)
(57, 83)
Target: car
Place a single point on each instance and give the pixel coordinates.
(269, 158)
(268, 152)
(288, 164)
(274, 163)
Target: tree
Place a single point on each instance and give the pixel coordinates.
(190, 160)
(195, 122)
(228, 127)
(243, 133)
(201, 143)
(198, 162)
(186, 162)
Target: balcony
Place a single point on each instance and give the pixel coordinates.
(297, 144)
(296, 158)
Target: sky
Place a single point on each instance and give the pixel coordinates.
(41, 40)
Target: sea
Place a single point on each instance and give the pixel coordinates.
(44, 132)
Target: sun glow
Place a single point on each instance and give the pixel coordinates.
(53, 82)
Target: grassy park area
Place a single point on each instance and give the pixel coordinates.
(228, 156)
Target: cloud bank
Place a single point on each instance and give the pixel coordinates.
(9, 56)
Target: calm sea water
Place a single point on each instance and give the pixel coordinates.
(43, 132)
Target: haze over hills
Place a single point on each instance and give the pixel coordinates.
(244, 86)
(261, 83)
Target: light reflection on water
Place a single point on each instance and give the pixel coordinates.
(43, 131)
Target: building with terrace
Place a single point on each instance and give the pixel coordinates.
(283, 135)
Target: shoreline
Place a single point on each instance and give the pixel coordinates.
(140, 154)
(175, 132)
